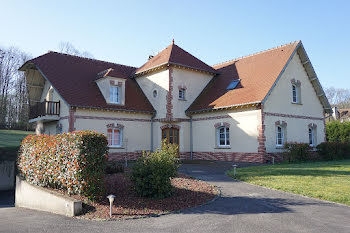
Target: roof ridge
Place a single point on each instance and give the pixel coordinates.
(253, 54)
(91, 59)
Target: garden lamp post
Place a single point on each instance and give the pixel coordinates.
(111, 199)
(234, 170)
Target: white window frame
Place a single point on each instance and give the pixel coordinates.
(113, 135)
(312, 134)
(226, 137)
(278, 136)
(182, 94)
(115, 99)
(295, 94)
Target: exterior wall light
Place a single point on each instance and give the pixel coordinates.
(234, 170)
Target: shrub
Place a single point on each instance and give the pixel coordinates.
(334, 150)
(338, 131)
(114, 167)
(73, 162)
(152, 172)
(297, 152)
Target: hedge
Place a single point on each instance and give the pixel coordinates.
(334, 150)
(73, 162)
(338, 131)
(297, 152)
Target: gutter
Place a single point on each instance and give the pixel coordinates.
(152, 118)
(191, 139)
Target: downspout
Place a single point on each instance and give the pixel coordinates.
(191, 139)
(152, 118)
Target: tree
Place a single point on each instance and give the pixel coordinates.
(338, 97)
(68, 48)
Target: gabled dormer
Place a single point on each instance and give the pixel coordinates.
(111, 86)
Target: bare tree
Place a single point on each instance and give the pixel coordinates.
(68, 48)
(339, 97)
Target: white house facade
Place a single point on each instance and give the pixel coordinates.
(242, 110)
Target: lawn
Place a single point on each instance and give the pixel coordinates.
(10, 141)
(324, 180)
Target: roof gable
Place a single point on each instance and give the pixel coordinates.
(74, 79)
(175, 55)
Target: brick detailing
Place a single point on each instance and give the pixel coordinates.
(211, 118)
(71, 119)
(170, 126)
(261, 137)
(112, 125)
(281, 123)
(296, 83)
(172, 120)
(169, 97)
(182, 87)
(121, 156)
(224, 156)
(111, 118)
(217, 125)
(293, 116)
(324, 128)
(312, 125)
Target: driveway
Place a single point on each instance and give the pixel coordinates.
(242, 208)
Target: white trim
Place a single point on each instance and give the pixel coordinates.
(226, 131)
(277, 135)
(112, 95)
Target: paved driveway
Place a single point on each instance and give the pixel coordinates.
(242, 208)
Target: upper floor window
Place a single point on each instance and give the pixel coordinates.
(182, 93)
(223, 136)
(295, 93)
(114, 94)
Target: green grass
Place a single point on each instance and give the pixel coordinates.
(10, 141)
(324, 180)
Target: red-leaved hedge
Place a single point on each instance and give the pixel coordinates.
(73, 162)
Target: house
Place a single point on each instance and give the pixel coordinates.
(338, 114)
(240, 110)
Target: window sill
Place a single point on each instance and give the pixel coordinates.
(182, 99)
(297, 103)
(279, 147)
(223, 147)
(116, 147)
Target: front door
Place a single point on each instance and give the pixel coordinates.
(171, 135)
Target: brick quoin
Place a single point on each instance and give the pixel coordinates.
(169, 97)
(261, 137)
(71, 119)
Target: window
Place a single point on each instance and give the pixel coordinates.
(115, 137)
(279, 136)
(311, 137)
(114, 94)
(155, 93)
(295, 93)
(233, 84)
(223, 136)
(182, 93)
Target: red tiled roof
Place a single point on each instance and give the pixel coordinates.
(74, 79)
(175, 55)
(257, 72)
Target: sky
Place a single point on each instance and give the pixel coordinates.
(127, 32)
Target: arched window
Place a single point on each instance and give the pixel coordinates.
(115, 135)
(279, 136)
(295, 93)
(311, 137)
(223, 136)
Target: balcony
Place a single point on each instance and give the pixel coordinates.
(44, 111)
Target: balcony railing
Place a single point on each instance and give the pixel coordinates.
(46, 108)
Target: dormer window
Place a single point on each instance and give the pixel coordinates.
(114, 94)
(182, 93)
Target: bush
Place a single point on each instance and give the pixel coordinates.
(73, 162)
(152, 172)
(114, 167)
(338, 131)
(297, 152)
(334, 150)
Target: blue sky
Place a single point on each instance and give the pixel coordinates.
(127, 32)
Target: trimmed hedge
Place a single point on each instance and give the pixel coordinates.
(334, 150)
(338, 131)
(297, 152)
(73, 162)
(152, 172)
